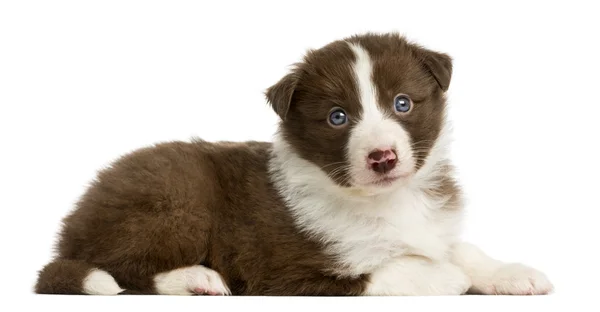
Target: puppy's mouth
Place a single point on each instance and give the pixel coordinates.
(384, 181)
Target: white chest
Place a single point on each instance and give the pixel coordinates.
(364, 234)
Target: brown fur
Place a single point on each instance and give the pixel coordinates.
(446, 188)
(181, 204)
(63, 276)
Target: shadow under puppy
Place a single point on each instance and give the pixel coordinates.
(354, 196)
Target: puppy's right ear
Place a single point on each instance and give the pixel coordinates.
(438, 64)
(280, 94)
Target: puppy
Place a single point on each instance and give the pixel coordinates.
(354, 196)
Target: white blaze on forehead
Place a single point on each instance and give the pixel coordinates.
(363, 73)
(375, 127)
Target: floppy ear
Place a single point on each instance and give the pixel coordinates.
(280, 94)
(439, 65)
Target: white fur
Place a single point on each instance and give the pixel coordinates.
(493, 277)
(414, 276)
(188, 280)
(374, 130)
(363, 230)
(99, 282)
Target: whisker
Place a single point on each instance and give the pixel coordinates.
(332, 164)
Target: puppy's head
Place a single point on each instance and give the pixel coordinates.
(366, 110)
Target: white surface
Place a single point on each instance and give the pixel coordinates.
(82, 83)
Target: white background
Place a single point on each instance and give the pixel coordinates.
(82, 82)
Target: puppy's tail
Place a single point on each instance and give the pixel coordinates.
(75, 277)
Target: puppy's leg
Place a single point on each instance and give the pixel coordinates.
(413, 276)
(493, 277)
(191, 280)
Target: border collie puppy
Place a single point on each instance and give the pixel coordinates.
(354, 196)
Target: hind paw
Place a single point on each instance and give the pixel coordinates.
(194, 280)
(99, 282)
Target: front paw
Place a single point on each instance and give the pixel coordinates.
(444, 279)
(513, 279)
(418, 277)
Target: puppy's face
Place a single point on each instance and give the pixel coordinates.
(366, 110)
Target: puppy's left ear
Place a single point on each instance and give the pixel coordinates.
(439, 65)
(280, 94)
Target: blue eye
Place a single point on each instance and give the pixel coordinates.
(402, 103)
(338, 117)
